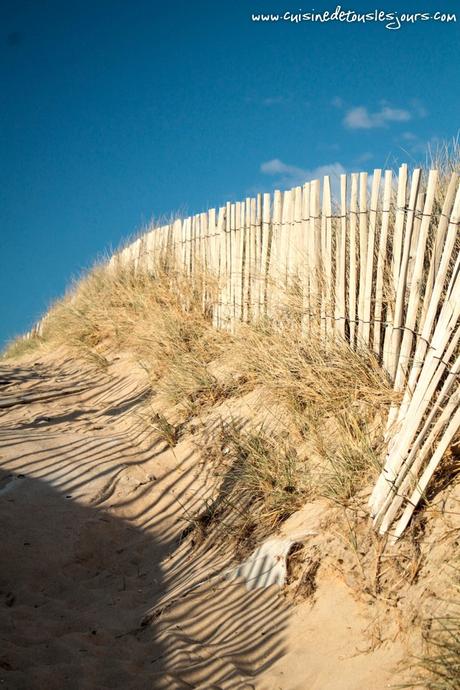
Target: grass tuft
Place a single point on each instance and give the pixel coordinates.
(334, 401)
(442, 663)
(439, 667)
(21, 346)
(262, 480)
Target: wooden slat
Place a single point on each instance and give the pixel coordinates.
(422, 483)
(274, 271)
(285, 240)
(369, 275)
(315, 253)
(415, 233)
(204, 257)
(265, 247)
(363, 241)
(340, 257)
(183, 246)
(246, 257)
(382, 263)
(227, 295)
(254, 257)
(212, 270)
(438, 244)
(397, 240)
(421, 447)
(352, 257)
(433, 368)
(256, 222)
(193, 232)
(327, 274)
(305, 259)
(297, 232)
(220, 263)
(235, 215)
(398, 318)
(211, 241)
(416, 283)
(290, 234)
(432, 308)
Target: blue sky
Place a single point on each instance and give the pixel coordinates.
(114, 112)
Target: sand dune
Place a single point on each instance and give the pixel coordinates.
(99, 587)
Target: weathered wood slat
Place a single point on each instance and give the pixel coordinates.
(382, 263)
(401, 282)
(396, 262)
(352, 272)
(340, 276)
(369, 273)
(363, 241)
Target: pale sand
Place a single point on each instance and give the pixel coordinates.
(97, 588)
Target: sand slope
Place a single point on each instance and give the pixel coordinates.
(98, 587)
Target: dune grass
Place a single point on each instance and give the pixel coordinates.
(441, 665)
(18, 347)
(327, 402)
(261, 480)
(334, 400)
(438, 668)
(158, 318)
(330, 400)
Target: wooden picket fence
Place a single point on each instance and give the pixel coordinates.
(378, 267)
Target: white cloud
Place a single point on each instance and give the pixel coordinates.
(361, 118)
(291, 175)
(332, 169)
(277, 167)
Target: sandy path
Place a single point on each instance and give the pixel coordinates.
(91, 518)
(91, 528)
